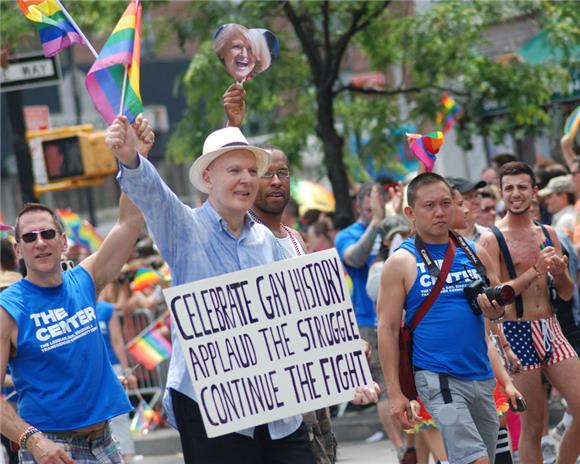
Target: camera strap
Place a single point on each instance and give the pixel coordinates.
(440, 275)
(471, 255)
(509, 264)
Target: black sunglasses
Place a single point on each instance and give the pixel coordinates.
(46, 234)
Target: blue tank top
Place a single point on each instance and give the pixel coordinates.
(61, 369)
(450, 338)
(105, 312)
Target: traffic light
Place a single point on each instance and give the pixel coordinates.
(69, 157)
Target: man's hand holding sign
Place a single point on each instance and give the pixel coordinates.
(270, 342)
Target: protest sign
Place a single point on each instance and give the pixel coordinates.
(269, 342)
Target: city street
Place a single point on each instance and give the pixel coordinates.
(357, 452)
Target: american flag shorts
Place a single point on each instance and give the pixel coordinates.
(538, 343)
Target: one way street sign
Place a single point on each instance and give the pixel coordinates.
(27, 71)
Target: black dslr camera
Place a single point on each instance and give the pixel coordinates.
(503, 294)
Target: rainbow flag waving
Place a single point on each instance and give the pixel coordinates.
(150, 347)
(56, 31)
(573, 122)
(106, 80)
(449, 113)
(82, 233)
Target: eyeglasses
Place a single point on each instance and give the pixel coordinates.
(488, 209)
(46, 234)
(281, 173)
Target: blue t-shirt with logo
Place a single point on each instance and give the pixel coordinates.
(61, 369)
(105, 311)
(450, 338)
(364, 307)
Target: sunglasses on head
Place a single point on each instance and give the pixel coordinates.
(46, 234)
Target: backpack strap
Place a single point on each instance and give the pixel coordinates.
(507, 257)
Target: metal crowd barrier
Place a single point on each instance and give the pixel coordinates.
(151, 382)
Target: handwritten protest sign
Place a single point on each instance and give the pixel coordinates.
(269, 342)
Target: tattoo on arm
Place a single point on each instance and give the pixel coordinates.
(357, 254)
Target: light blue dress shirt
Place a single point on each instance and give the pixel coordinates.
(197, 244)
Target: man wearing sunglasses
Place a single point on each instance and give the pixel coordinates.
(49, 336)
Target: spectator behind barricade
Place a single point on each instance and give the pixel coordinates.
(470, 192)
(488, 207)
(489, 176)
(9, 272)
(559, 197)
(318, 237)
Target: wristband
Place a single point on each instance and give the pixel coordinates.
(23, 440)
(498, 319)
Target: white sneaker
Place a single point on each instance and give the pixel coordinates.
(558, 432)
(377, 436)
(549, 452)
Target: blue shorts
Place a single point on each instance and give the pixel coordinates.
(538, 343)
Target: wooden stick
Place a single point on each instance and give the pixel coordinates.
(123, 91)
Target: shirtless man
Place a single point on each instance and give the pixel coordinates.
(535, 335)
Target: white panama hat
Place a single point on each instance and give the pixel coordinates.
(216, 144)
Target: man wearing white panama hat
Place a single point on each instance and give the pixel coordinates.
(217, 238)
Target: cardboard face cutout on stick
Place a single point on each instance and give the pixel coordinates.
(245, 52)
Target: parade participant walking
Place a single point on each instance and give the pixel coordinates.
(217, 238)
(49, 336)
(451, 353)
(531, 254)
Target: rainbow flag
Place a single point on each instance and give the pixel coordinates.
(145, 278)
(449, 113)
(106, 77)
(145, 418)
(426, 147)
(572, 122)
(81, 233)
(55, 29)
(150, 347)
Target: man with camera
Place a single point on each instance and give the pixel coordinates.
(531, 255)
(452, 355)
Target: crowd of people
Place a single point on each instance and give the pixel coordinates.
(484, 275)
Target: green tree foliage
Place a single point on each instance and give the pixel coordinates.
(305, 94)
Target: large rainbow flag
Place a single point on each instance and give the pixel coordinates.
(106, 78)
(81, 232)
(573, 122)
(55, 29)
(150, 347)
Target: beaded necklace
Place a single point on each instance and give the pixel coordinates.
(297, 248)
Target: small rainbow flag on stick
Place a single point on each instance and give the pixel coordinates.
(449, 113)
(119, 59)
(56, 27)
(426, 147)
(573, 122)
(150, 347)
